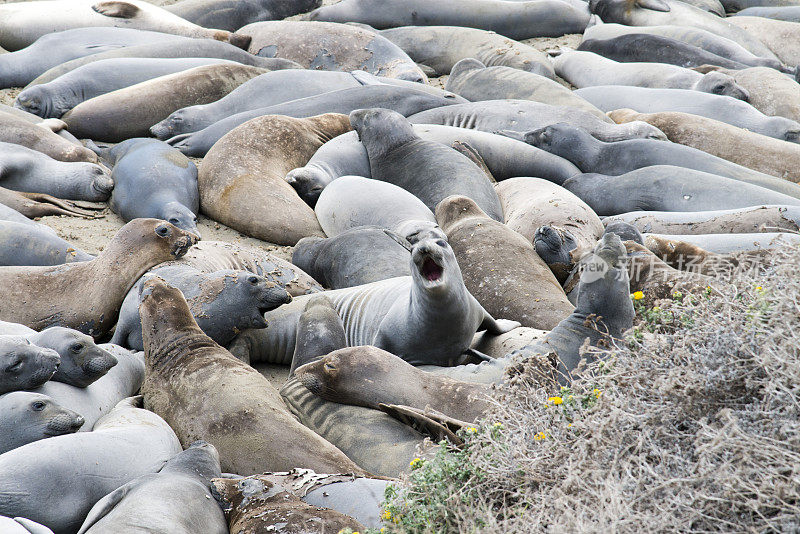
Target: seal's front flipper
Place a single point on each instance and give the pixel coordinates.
(497, 326)
(475, 356)
(428, 423)
(474, 156)
(122, 10)
(106, 504)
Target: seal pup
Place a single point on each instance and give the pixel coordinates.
(26, 417)
(755, 219)
(125, 444)
(244, 173)
(23, 169)
(206, 393)
(368, 376)
(500, 267)
(41, 139)
(152, 180)
(177, 499)
(428, 170)
(131, 111)
(223, 302)
(86, 296)
(82, 361)
(35, 244)
(24, 365)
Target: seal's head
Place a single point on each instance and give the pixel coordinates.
(257, 296)
(179, 215)
(625, 231)
(82, 361)
(561, 139)
(97, 179)
(719, 83)
(179, 241)
(415, 230)
(433, 265)
(309, 183)
(36, 416)
(24, 365)
(554, 245)
(181, 121)
(38, 100)
(200, 458)
(380, 130)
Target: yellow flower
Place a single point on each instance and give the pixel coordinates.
(387, 515)
(569, 425)
(759, 288)
(638, 295)
(539, 436)
(555, 400)
(656, 308)
(383, 529)
(472, 430)
(596, 392)
(497, 425)
(416, 462)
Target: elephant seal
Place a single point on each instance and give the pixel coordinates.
(355, 257)
(585, 69)
(23, 169)
(35, 244)
(55, 98)
(779, 36)
(427, 169)
(643, 47)
(258, 506)
(20, 525)
(401, 315)
(668, 188)
(99, 398)
(368, 376)
(131, 111)
(354, 201)
(210, 256)
(223, 303)
(790, 13)
(153, 180)
(475, 81)
(772, 92)
(21, 207)
(526, 115)
(374, 440)
(87, 295)
(754, 219)
(743, 147)
(244, 172)
(177, 499)
(206, 393)
(625, 231)
(233, 14)
(24, 23)
(673, 12)
(25, 365)
(441, 47)
(658, 280)
(26, 417)
(404, 100)
(52, 49)
(517, 20)
(725, 243)
(335, 47)
(591, 155)
(501, 268)
(183, 48)
(722, 108)
(41, 139)
(125, 444)
(82, 361)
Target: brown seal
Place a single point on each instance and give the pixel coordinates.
(38, 205)
(501, 268)
(655, 278)
(42, 138)
(130, 112)
(749, 149)
(257, 505)
(87, 295)
(242, 181)
(203, 392)
(368, 376)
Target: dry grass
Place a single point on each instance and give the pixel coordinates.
(696, 429)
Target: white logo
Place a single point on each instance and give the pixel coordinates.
(593, 268)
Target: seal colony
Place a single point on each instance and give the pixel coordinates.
(443, 235)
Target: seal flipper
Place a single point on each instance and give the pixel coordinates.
(106, 504)
(477, 355)
(32, 526)
(122, 10)
(496, 326)
(428, 423)
(473, 155)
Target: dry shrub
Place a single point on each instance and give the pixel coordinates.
(696, 429)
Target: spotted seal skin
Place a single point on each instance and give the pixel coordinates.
(178, 497)
(621, 157)
(755, 219)
(24, 365)
(82, 361)
(87, 295)
(233, 14)
(23, 169)
(337, 47)
(153, 180)
(26, 417)
(223, 303)
(35, 244)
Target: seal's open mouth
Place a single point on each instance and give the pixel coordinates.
(431, 270)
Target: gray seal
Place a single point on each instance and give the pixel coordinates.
(26, 417)
(668, 188)
(223, 303)
(178, 496)
(153, 180)
(586, 69)
(404, 100)
(24, 365)
(357, 256)
(233, 14)
(516, 20)
(753, 219)
(591, 155)
(82, 361)
(125, 444)
(55, 98)
(35, 244)
(441, 47)
(475, 81)
(23, 169)
(427, 169)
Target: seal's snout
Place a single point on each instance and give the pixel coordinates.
(431, 270)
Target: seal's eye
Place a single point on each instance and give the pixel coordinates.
(15, 366)
(329, 367)
(253, 280)
(174, 221)
(38, 406)
(442, 243)
(163, 231)
(792, 136)
(76, 348)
